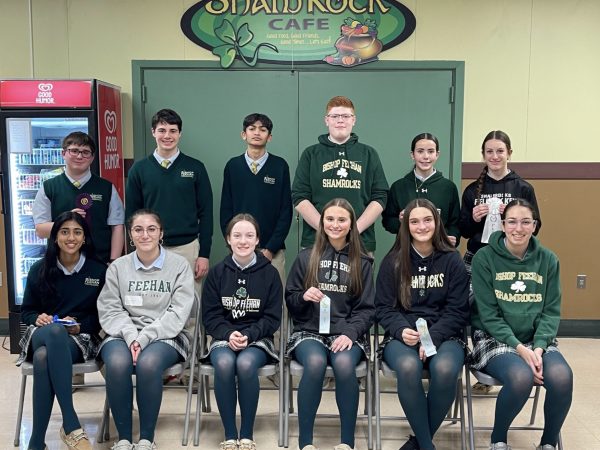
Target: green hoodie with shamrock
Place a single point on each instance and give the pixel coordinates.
(516, 300)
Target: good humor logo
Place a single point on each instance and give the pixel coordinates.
(336, 32)
(44, 95)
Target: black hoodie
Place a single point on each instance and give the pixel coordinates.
(510, 187)
(440, 288)
(248, 301)
(350, 315)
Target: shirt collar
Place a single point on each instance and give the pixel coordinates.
(420, 178)
(160, 159)
(260, 161)
(156, 264)
(77, 267)
(84, 179)
(250, 264)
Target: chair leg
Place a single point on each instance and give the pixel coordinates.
(470, 409)
(377, 398)
(287, 405)
(455, 412)
(199, 401)
(281, 398)
(188, 403)
(20, 411)
(103, 431)
(207, 407)
(369, 402)
(460, 399)
(560, 444)
(536, 398)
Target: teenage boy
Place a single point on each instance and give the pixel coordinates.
(74, 190)
(340, 166)
(177, 187)
(258, 183)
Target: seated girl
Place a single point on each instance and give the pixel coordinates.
(143, 309)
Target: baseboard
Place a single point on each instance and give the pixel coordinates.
(579, 328)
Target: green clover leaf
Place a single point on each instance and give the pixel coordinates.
(226, 53)
(226, 32)
(244, 35)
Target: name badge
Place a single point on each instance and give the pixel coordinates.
(324, 315)
(425, 337)
(133, 300)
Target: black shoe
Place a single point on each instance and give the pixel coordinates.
(411, 444)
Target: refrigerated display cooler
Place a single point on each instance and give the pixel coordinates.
(35, 116)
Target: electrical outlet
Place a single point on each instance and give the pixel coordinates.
(581, 279)
(0, 279)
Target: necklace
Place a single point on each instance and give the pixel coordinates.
(420, 186)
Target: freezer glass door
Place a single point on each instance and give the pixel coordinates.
(34, 145)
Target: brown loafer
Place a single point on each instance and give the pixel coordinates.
(76, 439)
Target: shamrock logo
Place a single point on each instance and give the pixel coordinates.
(234, 40)
(343, 173)
(241, 293)
(518, 286)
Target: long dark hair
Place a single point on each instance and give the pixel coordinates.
(355, 250)
(49, 271)
(497, 135)
(401, 249)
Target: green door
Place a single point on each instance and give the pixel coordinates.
(394, 102)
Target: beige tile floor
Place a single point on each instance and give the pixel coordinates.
(581, 430)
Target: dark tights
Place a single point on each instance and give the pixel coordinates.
(244, 364)
(517, 380)
(54, 353)
(314, 358)
(425, 412)
(151, 363)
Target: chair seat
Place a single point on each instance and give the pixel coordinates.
(296, 369)
(484, 378)
(84, 367)
(265, 371)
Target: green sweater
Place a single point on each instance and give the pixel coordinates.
(181, 195)
(351, 170)
(517, 301)
(62, 194)
(439, 190)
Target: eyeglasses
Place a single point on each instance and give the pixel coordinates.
(513, 223)
(340, 116)
(76, 152)
(139, 231)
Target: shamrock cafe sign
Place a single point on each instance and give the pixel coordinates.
(337, 32)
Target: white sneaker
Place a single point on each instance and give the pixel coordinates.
(246, 444)
(342, 447)
(229, 444)
(500, 446)
(545, 447)
(123, 444)
(145, 444)
(309, 447)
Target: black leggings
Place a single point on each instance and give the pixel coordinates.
(517, 380)
(54, 353)
(151, 363)
(425, 412)
(314, 357)
(244, 365)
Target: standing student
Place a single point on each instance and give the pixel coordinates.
(424, 181)
(340, 166)
(241, 310)
(336, 276)
(64, 284)
(515, 319)
(143, 309)
(75, 188)
(258, 183)
(177, 187)
(423, 276)
(495, 180)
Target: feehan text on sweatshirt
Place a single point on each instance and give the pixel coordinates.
(519, 287)
(149, 286)
(343, 165)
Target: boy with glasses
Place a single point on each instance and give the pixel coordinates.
(340, 166)
(74, 190)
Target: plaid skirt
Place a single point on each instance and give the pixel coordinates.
(485, 347)
(89, 344)
(181, 343)
(266, 344)
(327, 341)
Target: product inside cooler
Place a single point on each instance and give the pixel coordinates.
(33, 163)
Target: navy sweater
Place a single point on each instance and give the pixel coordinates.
(266, 195)
(76, 295)
(248, 301)
(440, 290)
